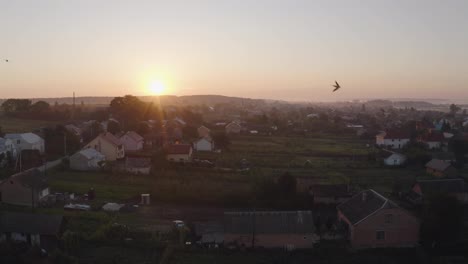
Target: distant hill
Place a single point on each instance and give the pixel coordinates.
(164, 100)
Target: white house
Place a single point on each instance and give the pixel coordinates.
(7, 146)
(433, 140)
(392, 139)
(107, 144)
(179, 153)
(34, 229)
(87, 160)
(26, 141)
(132, 141)
(204, 144)
(391, 158)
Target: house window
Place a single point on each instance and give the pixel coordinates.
(380, 235)
(388, 218)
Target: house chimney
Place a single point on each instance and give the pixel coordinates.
(364, 196)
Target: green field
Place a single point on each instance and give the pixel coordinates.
(329, 160)
(16, 125)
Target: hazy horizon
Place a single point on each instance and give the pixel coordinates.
(283, 50)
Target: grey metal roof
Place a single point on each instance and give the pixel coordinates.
(269, 222)
(363, 205)
(30, 223)
(438, 164)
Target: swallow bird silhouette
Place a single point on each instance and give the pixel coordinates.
(337, 86)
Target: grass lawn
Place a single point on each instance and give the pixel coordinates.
(16, 125)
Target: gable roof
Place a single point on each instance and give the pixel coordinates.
(437, 164)
(30, 223)
(179, 149)
(441, 186)
(396, 134)
(364, 204)
(434, 137)
(385, 154)
(28, 137)
(134, 136)
(269, 222)
(90, 153)
(111, 139)
(204, 128)
(29, 178)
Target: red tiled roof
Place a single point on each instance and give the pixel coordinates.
(393, 134)
(179, 149)
(434, 137)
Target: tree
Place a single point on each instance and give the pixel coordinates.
(221, 140)
(113, 127)
(287, 185)
(454, 109)
(14, 106)
(442, 221)
(40, 107)
(143, 129)
(190, 131)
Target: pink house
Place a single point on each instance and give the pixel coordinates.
(132, 141)
(373, 221)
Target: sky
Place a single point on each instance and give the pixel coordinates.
(276, 49)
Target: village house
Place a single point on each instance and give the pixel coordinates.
(440, 168)
(270, 229)
(203, 131)
(324, 193)
(7, 147)
(138, 164)
(26, 188)
(179, 153)
(87, 160)
(204, 144)
(425, 188)
(233, 128)
(391, 158)
(392, 139)
(107, 144)
(76, 131)
(132, 141)
(433, 140)
(34, 229)
(27, 141)
(373, 221)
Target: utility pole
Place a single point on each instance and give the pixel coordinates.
(65, 142)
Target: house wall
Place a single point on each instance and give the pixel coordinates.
(402, 231)
(434, 145)
(179, 157)
(144, 171)
(395, 143)
(110, 151)
(435, 173)
(305, 240)
(25, 145)
(130, 144)
(394, 160)
(204, 145)
(81, 163)
(13, 192)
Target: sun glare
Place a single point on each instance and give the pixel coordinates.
(157, 87)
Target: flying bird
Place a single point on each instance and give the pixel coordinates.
(337, 86)
(6, 60)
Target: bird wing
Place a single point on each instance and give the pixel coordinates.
(337, 84)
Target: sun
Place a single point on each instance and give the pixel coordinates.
(157, 87)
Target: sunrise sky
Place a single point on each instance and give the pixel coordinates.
(292, 50)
